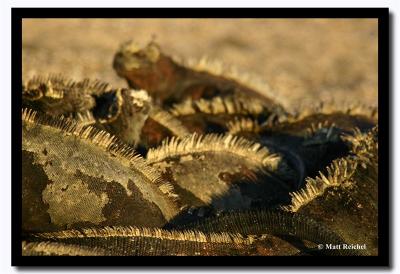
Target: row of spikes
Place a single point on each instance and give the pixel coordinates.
(56, 85)
(195, 143)
(221, 69)
(54, 248)
(158, 233)
(205, 64)
(339, 172)
(62, 84)
(245, 124)
(104, 140)
(168, 121)
(218, 105)
(332, 106)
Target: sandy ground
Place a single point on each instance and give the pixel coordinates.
(300, 59)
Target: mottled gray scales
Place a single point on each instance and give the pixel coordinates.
(193, 159)
(76, 192)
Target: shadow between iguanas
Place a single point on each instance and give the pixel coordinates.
(316, 156)
(275, 236)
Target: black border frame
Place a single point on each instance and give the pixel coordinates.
(382, 14)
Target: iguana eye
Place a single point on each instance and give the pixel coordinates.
(107, 106)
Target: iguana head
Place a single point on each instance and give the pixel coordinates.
(146, 68)
(133, 110)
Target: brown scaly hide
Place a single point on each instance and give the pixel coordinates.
(289, 159)
(150, 69)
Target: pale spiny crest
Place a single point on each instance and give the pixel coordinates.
(219, 68)
(214, 143)
(104, 140)
(331, 107)
(341, 171)
(217, 105)
(165, 119)
(130, 231)
(54, 248)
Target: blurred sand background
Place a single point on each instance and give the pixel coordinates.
(299, 58)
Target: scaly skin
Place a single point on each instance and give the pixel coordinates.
(277, 223)
(86, 192)
(231, 234)
(128, 114)
(169, 82)
(62, 186)
(132, 241)
(345, 195)
(223, 171)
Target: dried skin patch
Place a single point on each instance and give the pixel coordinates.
(72, 156)
(202, 176)
(82, 205)
(66, 191)
(64, 172)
